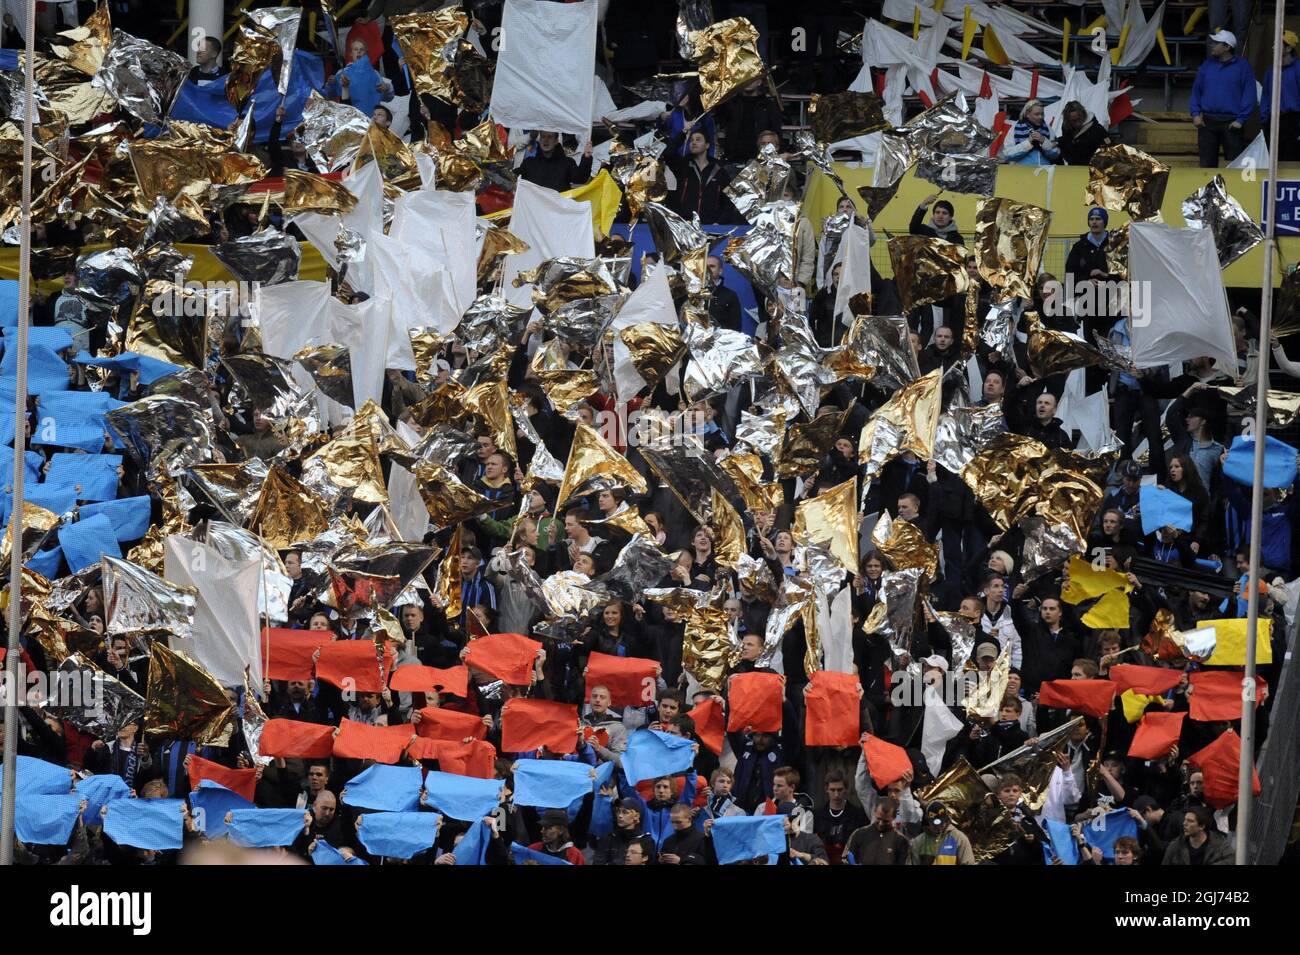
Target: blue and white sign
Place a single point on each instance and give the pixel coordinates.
(1288, 206)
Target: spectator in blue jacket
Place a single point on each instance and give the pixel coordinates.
(1223, 100)
(1288, 127)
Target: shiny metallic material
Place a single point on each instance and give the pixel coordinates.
(927, 270)
(281, 23)
(1124, 179)
(165, 433)
(964, 433)
(185, 702)
(902, 544)
(726, 55)
(837, 116)
(972, 174)
(268, 257)
(332, 132)
(138, 603)
(1235, 232)
(830, 520)
(1009, 241)
(143, 78)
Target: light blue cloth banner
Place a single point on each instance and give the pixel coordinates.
(651, 754)
(1162, 508)
(602, 807)
(9, 300)
(385, 788)
(46, 370)
(38, 776)
(32, 462)
(58, 500)
(473, 846)
(85, 541)
(96, 473)
(41, 819)
(326, 854)
(46, 562)
(522, 855)
(209, 805)
(398, 835)
(130, 516)
(551, 783)
(150, 369)
(740, 838)
(1060, 843)
(1279, 462)
(207, 104)
(462, 797)
(74, 419)
(99, 791)
(265, 828)
(146, 823)
(1101, 832)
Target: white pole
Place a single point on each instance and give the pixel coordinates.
(1245, 789)
(9, 785)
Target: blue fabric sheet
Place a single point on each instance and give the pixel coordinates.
(47, 563)
(326, 854)
(74, 419)
(740, 838)
(385, 788)
(9, 300)
(145, 823)
(150, 369)
(85, 541)
(207, 104)
(44, 820)
(398, 835)
(265, 828)
(1162, 508)
(651, 754)
(472, 849)
(57, 499)
(46, 371)
(130, 516)
(550, 783)
(1279, 462)
(1060, 843)
(1102, 832)
(96, 473)
(38, 776)
(209, 805)
(522, 855)
(99, 791)
(462, 797)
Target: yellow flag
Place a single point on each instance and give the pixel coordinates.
(1164, 49)
(968, 28)
(993, 49)
(1116, 53)
(1194, 19)
(1087, 582)
(1230, 641)
(1109, 613)
(1135, 704)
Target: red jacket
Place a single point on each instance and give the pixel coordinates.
(572, 853)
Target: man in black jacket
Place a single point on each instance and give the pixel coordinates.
(1049, 649)
(724, 305)
(700, 181)
(942, 225)
(551, 168)
(686, 845)
(1045, 427)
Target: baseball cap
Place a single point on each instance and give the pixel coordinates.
(1223, 36)
(1130, 469)
(934, 660)
(986, 650)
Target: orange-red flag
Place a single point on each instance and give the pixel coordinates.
(414, 678)
(383, 744)
(630, 680)
(286, 654)
(1221, 763)
(886, 762)
(1093, 697)
(1149, 681)
(437, 723)
(531, 724)
(1216, 694)
(354, 665)
(833, 704)
(294, 739)
(242, 781)
(754, 702)
(710, 725)
(477, 758)
(506, 656)
(1156, 735)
